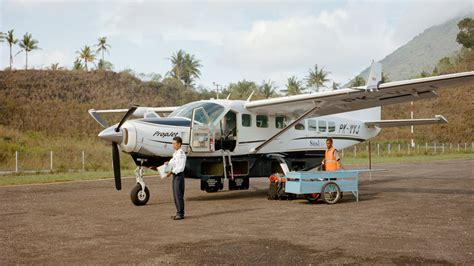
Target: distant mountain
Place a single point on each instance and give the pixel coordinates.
(422, 53)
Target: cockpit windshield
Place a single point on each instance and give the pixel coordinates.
(214, 110)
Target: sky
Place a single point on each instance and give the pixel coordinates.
(234, 40)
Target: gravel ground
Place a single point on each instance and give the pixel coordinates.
(411, 214)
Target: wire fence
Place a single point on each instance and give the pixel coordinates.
(83, 160)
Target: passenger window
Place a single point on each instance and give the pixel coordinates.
(246, 120)
(311, 125)
(322, 126)
(299, 126)
(332, 126)
(280, 121)
(262, 121)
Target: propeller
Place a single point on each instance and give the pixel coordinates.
(115, 150)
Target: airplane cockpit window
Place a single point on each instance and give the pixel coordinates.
(262, 121)
(213, 110)
(280, 121)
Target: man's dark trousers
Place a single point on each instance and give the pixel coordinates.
(178, 193)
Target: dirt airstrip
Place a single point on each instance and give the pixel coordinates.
(411, 214)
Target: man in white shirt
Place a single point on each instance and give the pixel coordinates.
(177, 164)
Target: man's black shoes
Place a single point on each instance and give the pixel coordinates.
(177, 217)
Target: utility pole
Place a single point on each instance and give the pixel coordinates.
(412, 128)
(217, 89)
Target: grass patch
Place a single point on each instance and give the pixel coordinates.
(407, 158)
(24, 179)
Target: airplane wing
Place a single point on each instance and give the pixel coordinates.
(439, 119)
(350, 99)
(139, 112)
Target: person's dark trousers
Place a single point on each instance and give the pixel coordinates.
(178, 193)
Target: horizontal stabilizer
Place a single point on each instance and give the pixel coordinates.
(439, 119)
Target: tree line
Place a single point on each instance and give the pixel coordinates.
(186, 68)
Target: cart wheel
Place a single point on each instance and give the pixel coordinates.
(331, 193)
(312, 197)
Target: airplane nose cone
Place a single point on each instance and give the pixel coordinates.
(110, 135)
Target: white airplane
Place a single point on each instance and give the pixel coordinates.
(236, 139)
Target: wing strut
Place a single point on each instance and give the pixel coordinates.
(279, 133)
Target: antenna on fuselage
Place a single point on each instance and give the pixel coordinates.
(250, 96)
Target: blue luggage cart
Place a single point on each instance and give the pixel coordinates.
(327, 185)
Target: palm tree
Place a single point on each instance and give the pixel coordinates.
(28, 44)
(87, 55)
(335, 85)
(11, 41)
(2, 36)
(267, 89)
(358, 81)
(77, 65)
(293, 86)
(185, 67)
(104, 65)
(103, 46)
(317, 77)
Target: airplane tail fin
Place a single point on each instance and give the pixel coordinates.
(375, 76)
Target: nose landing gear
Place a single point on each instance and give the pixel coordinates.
(140, 193)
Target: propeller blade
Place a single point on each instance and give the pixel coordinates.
(125, 117)
(116, 165)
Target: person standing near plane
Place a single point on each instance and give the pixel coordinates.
(332, 161)
(177, 164)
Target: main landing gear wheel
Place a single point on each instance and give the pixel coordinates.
(331, 193)
(139, 197)
(313, 197)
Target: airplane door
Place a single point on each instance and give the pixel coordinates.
(202, 134)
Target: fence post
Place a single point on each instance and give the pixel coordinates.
(51, 161)
(388, 148)
(84, 163)
(426, 146)
(434, 147)
(398, 147)
(16, 162)
(465, 146)
(408, 148)
(378, 149)
(458, 147)
(355, 151)
(442, 148)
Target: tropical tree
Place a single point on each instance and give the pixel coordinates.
(86, 55)
(293, 86)
(317, 77)
(55, 66)
(466, 32)
(267, 89)
(103, 46)
(2, 36)
(11, 41)
(28, 44)
(185, 67)
(77, 65)
(335, 85)
(385, 77)
(241, 89)
(104, 65)
(358, 81)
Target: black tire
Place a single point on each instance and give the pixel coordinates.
(331, 193)
(212, 189)
(313, 197)
(137, 197)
